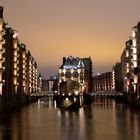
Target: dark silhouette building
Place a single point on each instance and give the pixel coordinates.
(52, 84)
(88, 73)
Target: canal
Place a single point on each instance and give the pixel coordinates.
(103, 120)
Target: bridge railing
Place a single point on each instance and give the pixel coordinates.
(43, 93)
(107, 93)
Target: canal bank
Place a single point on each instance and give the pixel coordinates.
(15, 102)
(133, 100)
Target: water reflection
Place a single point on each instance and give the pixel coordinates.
(104, 119)
(48, 102)
(130, 123)
(12, 126)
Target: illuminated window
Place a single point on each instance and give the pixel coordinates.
(15, 45)
(23, 55)
(72, 78)
(15, 81)
(127, 70)
(134, 50)
(23, 82)
(1, 26)
(23, 76)
(133, 33)
(134, 57)
(135, 64)
(15, 65)
(0, 55)
(15, 72)
(127, 53)
(23, 66)
(30, 67)
(0, 88)
(0, 65)
(127, 65)
(134, 88)
(15, 53)
(0, 36)
(15, 59)
(60, 80)
(64, 71)
(135, 79)
(72, 70)
(79, 70)
(134, 42)
(30, 63)
(128, 82)
(64, 78)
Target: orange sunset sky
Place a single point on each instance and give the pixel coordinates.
(52, 29)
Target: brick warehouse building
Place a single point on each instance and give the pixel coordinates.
(102, 82)
(18, 69)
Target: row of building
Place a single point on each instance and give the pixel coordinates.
(18, 69)
(75, 74)
(102, 82)
(125, 75)
(130, 63)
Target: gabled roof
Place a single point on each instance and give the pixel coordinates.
(72, 63)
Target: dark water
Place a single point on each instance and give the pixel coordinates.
(104, 120)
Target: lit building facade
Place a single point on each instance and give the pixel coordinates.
(130, 63)
(18, 69)
(8, 61)
(74, 75)
(127, 68)
(1, 49)
(33, 77)
(117, 78)
(102, 82)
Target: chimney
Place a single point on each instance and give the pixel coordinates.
(1, 12)
(64, 59)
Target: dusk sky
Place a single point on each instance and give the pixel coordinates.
(52, 29)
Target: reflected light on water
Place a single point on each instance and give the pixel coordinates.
(81, 123)
(104, 119)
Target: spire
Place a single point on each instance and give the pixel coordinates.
(1, 12)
